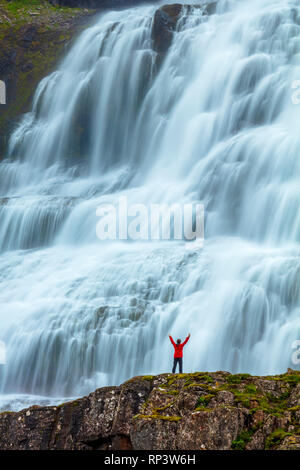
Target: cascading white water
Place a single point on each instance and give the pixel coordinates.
(214, 124)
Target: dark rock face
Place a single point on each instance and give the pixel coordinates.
(165, 23)
(212, 411)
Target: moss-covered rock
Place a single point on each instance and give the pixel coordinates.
(168, 411)
(33, 36)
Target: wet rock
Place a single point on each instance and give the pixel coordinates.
(165, 23)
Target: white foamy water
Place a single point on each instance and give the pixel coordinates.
(215, 125)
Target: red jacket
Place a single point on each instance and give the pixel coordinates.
(178, 347)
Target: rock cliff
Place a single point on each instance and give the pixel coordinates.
(33, 37)
(215, 411)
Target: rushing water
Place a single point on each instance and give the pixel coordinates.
(214, 124)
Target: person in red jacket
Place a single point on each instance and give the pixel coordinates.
(178, 347)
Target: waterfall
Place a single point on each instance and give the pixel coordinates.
(211, 121)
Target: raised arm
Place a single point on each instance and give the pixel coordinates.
(186, 339)
(172, 341)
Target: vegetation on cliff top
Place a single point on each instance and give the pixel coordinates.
(271, 399)
(33, 36)
(215, 410)
(15, 11)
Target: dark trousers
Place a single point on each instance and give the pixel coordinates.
(179, 361)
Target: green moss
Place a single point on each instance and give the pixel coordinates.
(194, 376)
(196, 384)
(275, 438)
(148, 377)
(170, 381)
(252, 398)
(200, 377)
(237, 378)
(242, 440)
(291, 379)
(251, 389)
(294, 408)
(181, 376)
(257, 401)
(21, 9)
(278, 400)
(172, 392)
(157, 416)
(245, 394)
(203, 408)
(245, 437)
(207, 378)
(162, 408)
(204, 401)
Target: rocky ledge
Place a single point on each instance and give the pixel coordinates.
(214, 411)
